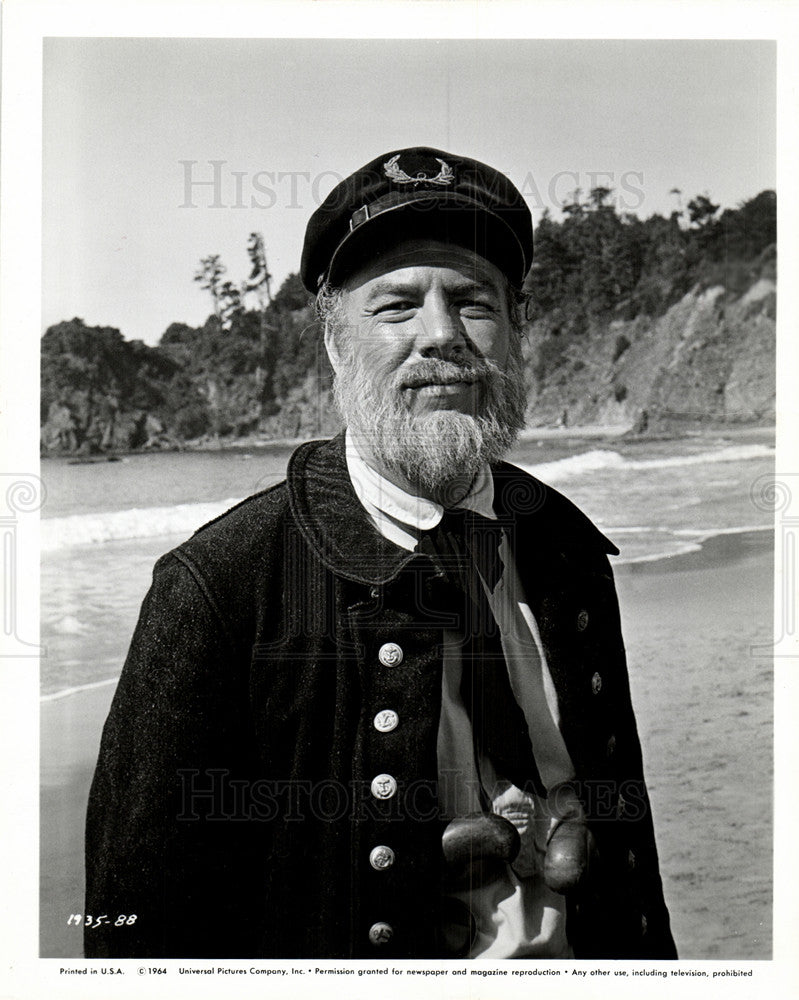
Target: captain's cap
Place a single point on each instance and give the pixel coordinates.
(418, 193)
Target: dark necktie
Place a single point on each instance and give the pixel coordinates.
(462, 542)
(465, 547)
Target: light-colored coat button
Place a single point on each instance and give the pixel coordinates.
(611, 748)
(384, 786)
(596, 683)
(381, 857)
(582, 620)
(381, 933)
(386, 720)
(390, 654)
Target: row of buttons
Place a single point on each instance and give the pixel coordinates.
(384, 786)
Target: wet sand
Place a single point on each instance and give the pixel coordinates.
(704, 704)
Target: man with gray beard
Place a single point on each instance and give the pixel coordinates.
(450, 406)
(382, 709)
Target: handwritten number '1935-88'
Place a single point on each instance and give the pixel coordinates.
(89, 921)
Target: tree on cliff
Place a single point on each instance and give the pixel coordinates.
(596, 263)
(244, 374)
(209, 276)
(98, 389)
(225, 296)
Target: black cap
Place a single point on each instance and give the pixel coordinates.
(417, 193)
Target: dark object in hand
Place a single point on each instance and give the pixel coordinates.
(567, 859)
(476, 847)
(570, 844)
(480, 835)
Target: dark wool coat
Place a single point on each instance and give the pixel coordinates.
(231, 809)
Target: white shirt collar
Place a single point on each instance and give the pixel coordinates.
(394, 511)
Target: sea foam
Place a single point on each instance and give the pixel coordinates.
(600, 460)
(136, 522)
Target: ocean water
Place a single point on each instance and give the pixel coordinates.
(104, 524)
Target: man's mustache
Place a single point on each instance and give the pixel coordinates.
(437, 371)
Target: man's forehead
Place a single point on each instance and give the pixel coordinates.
(409, 261)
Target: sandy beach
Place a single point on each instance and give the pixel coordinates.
(704, 708)
(704, 702)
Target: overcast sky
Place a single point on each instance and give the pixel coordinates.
(131, 127)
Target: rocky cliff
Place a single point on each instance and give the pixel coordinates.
(710, 357)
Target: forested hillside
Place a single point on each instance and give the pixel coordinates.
(652, 323)
(633, 323)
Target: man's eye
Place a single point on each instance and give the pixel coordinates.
(477, 306)
(396, 305)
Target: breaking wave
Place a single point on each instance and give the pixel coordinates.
(600, 460)
(137, 522)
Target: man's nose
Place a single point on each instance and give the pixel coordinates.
(441, 332)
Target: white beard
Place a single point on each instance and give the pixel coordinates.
(441, 452)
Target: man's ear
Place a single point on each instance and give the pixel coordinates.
(332, 347)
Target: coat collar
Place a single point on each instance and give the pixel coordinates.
(337, 528)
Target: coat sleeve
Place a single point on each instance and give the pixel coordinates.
(165, 846)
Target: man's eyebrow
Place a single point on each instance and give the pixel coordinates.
(389, 287)
(466, 286)
(474, 285)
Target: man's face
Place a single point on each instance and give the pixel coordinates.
(428, 363)
(429, 302)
